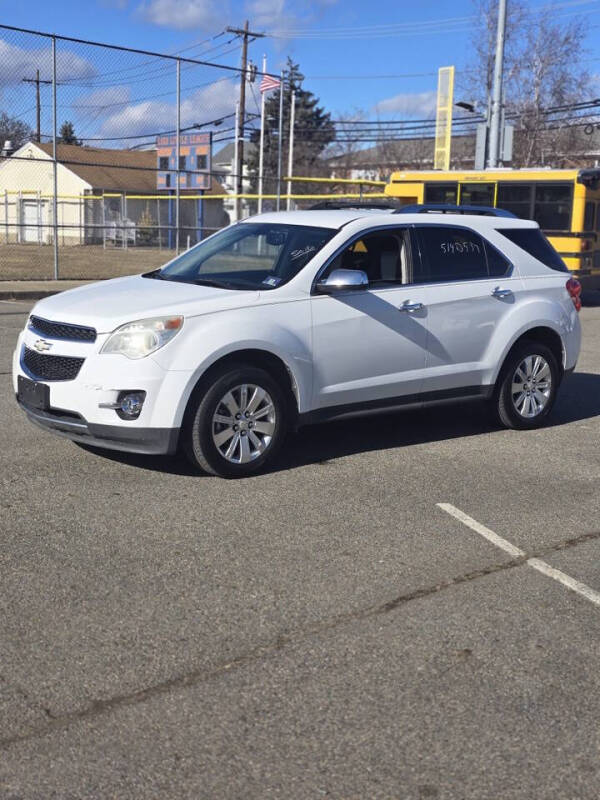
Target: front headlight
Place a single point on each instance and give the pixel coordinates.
(139, 339)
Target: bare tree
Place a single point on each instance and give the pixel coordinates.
(543, 71)
(14, 130)
(344, 153)
(550, 76)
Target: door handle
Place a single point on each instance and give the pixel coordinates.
(411, 307)
(500, 293)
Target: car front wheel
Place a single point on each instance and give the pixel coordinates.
(238, 424)
(527, 387)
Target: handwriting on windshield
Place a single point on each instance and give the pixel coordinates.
(305, 251)
(459, 247)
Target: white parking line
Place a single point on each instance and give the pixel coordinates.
(535, 563)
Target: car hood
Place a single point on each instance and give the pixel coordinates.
(108, 304)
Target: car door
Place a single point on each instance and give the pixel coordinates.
(369, 345)
(467, 286)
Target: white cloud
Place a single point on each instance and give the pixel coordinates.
(22, 63)
(412, 105)
(265, 13)
(214, 15)
(185, 14)
(148, 116)
(101, 100)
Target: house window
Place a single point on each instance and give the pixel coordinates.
(168, 180)
(163, 163)
(181, 162)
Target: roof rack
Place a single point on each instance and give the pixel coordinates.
(446, 208)
(336, 205)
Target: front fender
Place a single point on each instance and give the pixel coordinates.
(283, 332)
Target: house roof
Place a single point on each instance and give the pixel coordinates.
(226, 154)
(110, 170)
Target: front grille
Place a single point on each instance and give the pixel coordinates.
(62, 330)
(51, 368)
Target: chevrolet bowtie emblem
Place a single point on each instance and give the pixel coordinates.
(41, 345)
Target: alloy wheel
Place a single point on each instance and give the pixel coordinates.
(531, 386)
(244, 423)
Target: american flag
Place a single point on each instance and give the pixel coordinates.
(269, 83)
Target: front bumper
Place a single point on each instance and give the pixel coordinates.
(150, 441)
(79, 409)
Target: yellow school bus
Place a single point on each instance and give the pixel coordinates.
(564, 202)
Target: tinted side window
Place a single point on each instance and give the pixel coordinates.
(498, 265)
(552, 209)
(535, 243)
(588, 219)
(515, 198)
(441, 193)
(477, 194)
(450, 254)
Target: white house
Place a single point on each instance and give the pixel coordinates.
(223, 165)
(84, 174)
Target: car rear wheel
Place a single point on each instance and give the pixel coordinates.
(527, 387)
(238, 424)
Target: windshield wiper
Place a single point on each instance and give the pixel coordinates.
(218, 284)
(156, 274)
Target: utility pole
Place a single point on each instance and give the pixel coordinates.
(245, 33)
(494, 148)
(37, 82)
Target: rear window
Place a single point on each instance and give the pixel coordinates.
(533, 241)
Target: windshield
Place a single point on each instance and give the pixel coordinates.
(248, 256)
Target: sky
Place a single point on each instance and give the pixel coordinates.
(379, 58)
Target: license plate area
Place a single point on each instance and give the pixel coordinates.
(33, 394)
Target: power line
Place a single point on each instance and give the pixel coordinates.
(404, 28)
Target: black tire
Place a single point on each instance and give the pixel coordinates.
(197, 434)
(503, 407)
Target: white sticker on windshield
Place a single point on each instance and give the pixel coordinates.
(272, 281)
(305, 251)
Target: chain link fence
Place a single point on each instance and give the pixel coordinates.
(114, 159)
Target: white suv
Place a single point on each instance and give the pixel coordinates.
(292, 318)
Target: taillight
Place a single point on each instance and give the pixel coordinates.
(574, 290)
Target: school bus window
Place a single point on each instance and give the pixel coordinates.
(477, 194)
(552, 207)
(515, 198)
(588, 217)
(441, 193)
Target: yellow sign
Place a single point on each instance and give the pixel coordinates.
(443, 119)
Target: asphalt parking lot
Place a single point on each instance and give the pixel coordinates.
(323, 630)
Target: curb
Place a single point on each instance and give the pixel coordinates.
(29, 294)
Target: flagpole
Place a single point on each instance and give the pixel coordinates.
(279, 143)
(291, 150)
(261, 152)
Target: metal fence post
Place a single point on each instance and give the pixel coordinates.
(103, 222)
(177, 152)
(54, 162)
(158, 223)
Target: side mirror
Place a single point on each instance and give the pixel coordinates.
(343, 280)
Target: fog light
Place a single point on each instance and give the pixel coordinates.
(130, 404)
